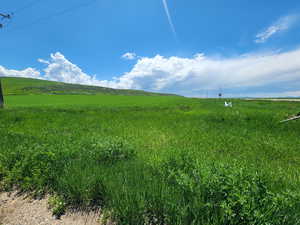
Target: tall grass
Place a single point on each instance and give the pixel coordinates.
(193, 162)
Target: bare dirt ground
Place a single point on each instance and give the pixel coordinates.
(22, 210)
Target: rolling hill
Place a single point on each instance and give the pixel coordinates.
(28, 86)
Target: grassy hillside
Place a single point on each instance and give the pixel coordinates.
(26, 86)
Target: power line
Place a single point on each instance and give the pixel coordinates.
(8, 17)
(5, 16)
(58, 13)
(30, 4)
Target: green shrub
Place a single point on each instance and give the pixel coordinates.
(57, 205)
(34, 168)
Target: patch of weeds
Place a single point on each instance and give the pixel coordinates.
(36, 171)
(226, 195)
(106, 217)
(57, 205)
(111, 150)
(185, 108)
(81, 184)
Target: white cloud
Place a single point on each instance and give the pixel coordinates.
(290, 93)
(29, 73)
(129, 56)
(61, 69)
(43, 61)
(186, 75)
(282, 24)
(280, 94)
(246, 75)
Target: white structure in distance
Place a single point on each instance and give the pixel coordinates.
(228, 104)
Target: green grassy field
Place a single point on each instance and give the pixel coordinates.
(89, 100)
(155, 160)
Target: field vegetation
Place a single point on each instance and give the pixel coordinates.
(164, 160)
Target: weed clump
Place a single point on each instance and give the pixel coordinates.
(81, 185)
(57, 205)
(111, 150)
(31, 168)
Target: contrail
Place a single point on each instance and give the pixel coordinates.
(169, 18)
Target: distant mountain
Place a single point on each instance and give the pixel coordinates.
(28, 86)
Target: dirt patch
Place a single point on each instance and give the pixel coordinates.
(22, 210)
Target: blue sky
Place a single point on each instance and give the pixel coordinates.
(245, 48)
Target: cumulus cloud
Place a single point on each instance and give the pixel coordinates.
(191, 75)
(29, 73)
(61, 69)
(247, 75)
(129, 56)
(282, 24)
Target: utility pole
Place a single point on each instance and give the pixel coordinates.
(4, 16)
(7, 16)
(1, 97)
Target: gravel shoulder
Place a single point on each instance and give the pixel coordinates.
(23, 210)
